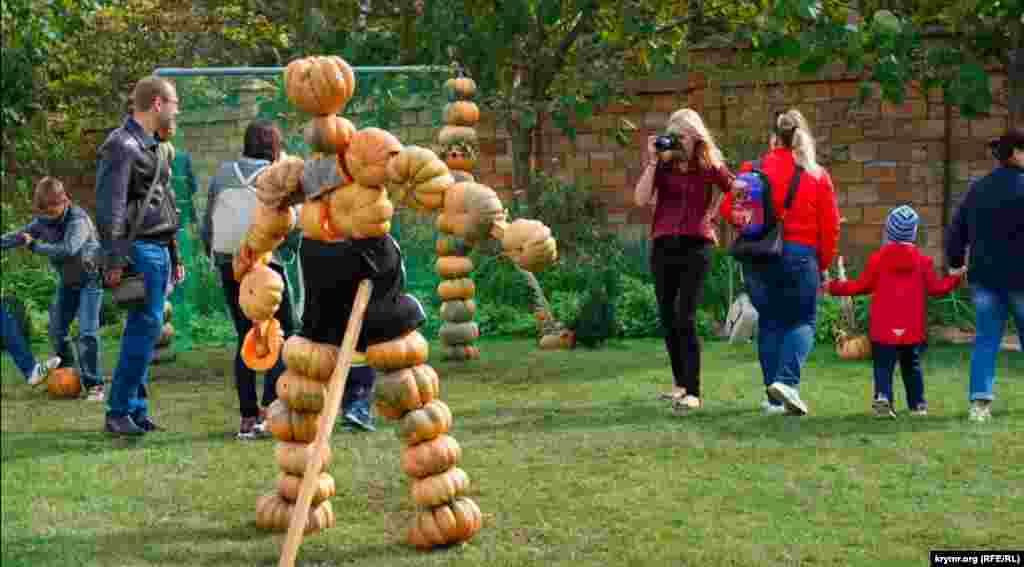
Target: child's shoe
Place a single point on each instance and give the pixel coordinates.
(96, 393)
(921, 409)
(980, 412)
(247, 429)
(42, 370)
(883, 408)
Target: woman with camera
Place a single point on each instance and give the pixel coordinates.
(684, 166)
(784, 290)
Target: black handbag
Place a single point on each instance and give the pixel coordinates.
(131, 293)
(769, 244)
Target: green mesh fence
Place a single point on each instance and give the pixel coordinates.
(216, 107)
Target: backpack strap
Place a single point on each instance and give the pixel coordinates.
(247, 181)
(794, 183)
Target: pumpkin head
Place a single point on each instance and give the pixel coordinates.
(64, 383)
(288, 486)
(459, 333)
(358, 211)
(460, 87)
(279, 181)
(437, 489)
(260, 293)
(368, 155)
(431, 457)
(460, 353)
(452, 290)
(408, 350)
(262, 345)
(310, 359)
(454, 522)
(319, 85)
(461, 113)
(458, 310)
(425, 423)
(286, 424)
(330, 134)
(301, 393)
(292, 458)
(406, 389)
(454, 267)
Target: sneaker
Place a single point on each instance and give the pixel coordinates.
(358, 414)
(96, 393)
(789, 397)
(773, 409)
(123, 426)
(687, 404)
(921, 409)
(41, 371)
(247, 428)
(981, 411)
(883, 408)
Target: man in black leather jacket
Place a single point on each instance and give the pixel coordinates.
(138, 237)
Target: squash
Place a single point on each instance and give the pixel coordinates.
(425, 423)
(274, 513)
(451, 135)
(313, 221)
(269, 227)
(260, 293)
(262, 345)
(470, 210)
(853, 348)
(529, 244)
(419, 178)
(301, 393)
(461, 113)
(319, 85)
(64, 383)
(451, 246)
(406, 389)
(458, 310)
(368, 155)
(460, 87)
(279, 181)
(459, 333)
(408, 350)
(286, 424)
(292, 458)
(315, 361)
(242, 262)
(330, 134)
(454, 267)
(431, 457)
(357, 211)
(288, 487)
(454, 522)
(460, 353)
(440, 488)
(450, 290)
(550, 342)
(459, 159)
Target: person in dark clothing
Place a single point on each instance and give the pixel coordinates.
(990, 221)
(13, 333)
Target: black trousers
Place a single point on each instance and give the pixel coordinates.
(245, 377)
(885, 358)
(680, 265)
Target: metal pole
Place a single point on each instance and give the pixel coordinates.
(236, 71)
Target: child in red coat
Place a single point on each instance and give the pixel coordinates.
(898, 277)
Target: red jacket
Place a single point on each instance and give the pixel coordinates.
(814, 217)
(898, 277)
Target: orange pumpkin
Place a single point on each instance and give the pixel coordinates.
(279, 182)
(319, 85)
(454, 135)
(459, 160)
(854, 348)
(425, 423)
(330, 134)
(262, 345)
(470, 211)
(64, 383)
(408, 350)
(274, 513)
(461, 113)
(461, 87)
(550, 342)
(292, 458)
(310, 359)
(270, 226)
(455, 522)
(286, 424)
(454, 267)
(242, 262)
(358, 211)
(312, 219)
(462, 288)
(458, 311)
(407, 389)
(419, 178)
(431, 457)
(529, 244)
(301, 393)
(440, 488)
(460, 353)
(260, 293)
(288, 487)
(451, 246)
(368, 155)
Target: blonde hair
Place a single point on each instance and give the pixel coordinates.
(801, 141)
(687, 121)
(49, 192)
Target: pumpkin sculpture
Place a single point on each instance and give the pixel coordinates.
(64, 383)
(348, 192)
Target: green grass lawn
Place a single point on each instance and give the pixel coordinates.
(572, 459)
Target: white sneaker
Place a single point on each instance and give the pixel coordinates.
(980, 412)
(772, 409)
(789, 397)
(41, 371)
(97, 394)
(883, 408)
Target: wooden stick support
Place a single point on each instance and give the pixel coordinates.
(335, 389)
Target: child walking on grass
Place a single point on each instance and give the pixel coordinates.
(899, 278)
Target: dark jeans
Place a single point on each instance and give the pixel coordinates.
(128, 395)
(82, 301)
(245, 377)
(15, 343)
(680, 265)
(909, 357)
(785, 293)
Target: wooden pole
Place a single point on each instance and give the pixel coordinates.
(335, 389)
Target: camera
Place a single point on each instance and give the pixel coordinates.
(667, 142)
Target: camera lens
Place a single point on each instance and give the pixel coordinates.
(662, 143)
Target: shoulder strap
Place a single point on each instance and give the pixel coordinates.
(247, 181)
(139, 214)
(793, 185)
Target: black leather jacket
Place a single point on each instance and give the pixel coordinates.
(126, 166)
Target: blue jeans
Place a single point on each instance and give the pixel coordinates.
(785, 293)
(141, 331)
(15, 343)
(82, 301)
(992, 308)
(885, 358)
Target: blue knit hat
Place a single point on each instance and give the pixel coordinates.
(902, 224)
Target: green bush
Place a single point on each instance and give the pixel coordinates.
(637, 309)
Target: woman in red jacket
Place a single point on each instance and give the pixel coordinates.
(683, 168)
(898, 277)
(785, 291)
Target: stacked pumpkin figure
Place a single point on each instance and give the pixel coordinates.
(348, 188)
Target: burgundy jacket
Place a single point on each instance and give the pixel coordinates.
(683, 200)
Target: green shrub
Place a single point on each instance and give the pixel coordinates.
(637, 309)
